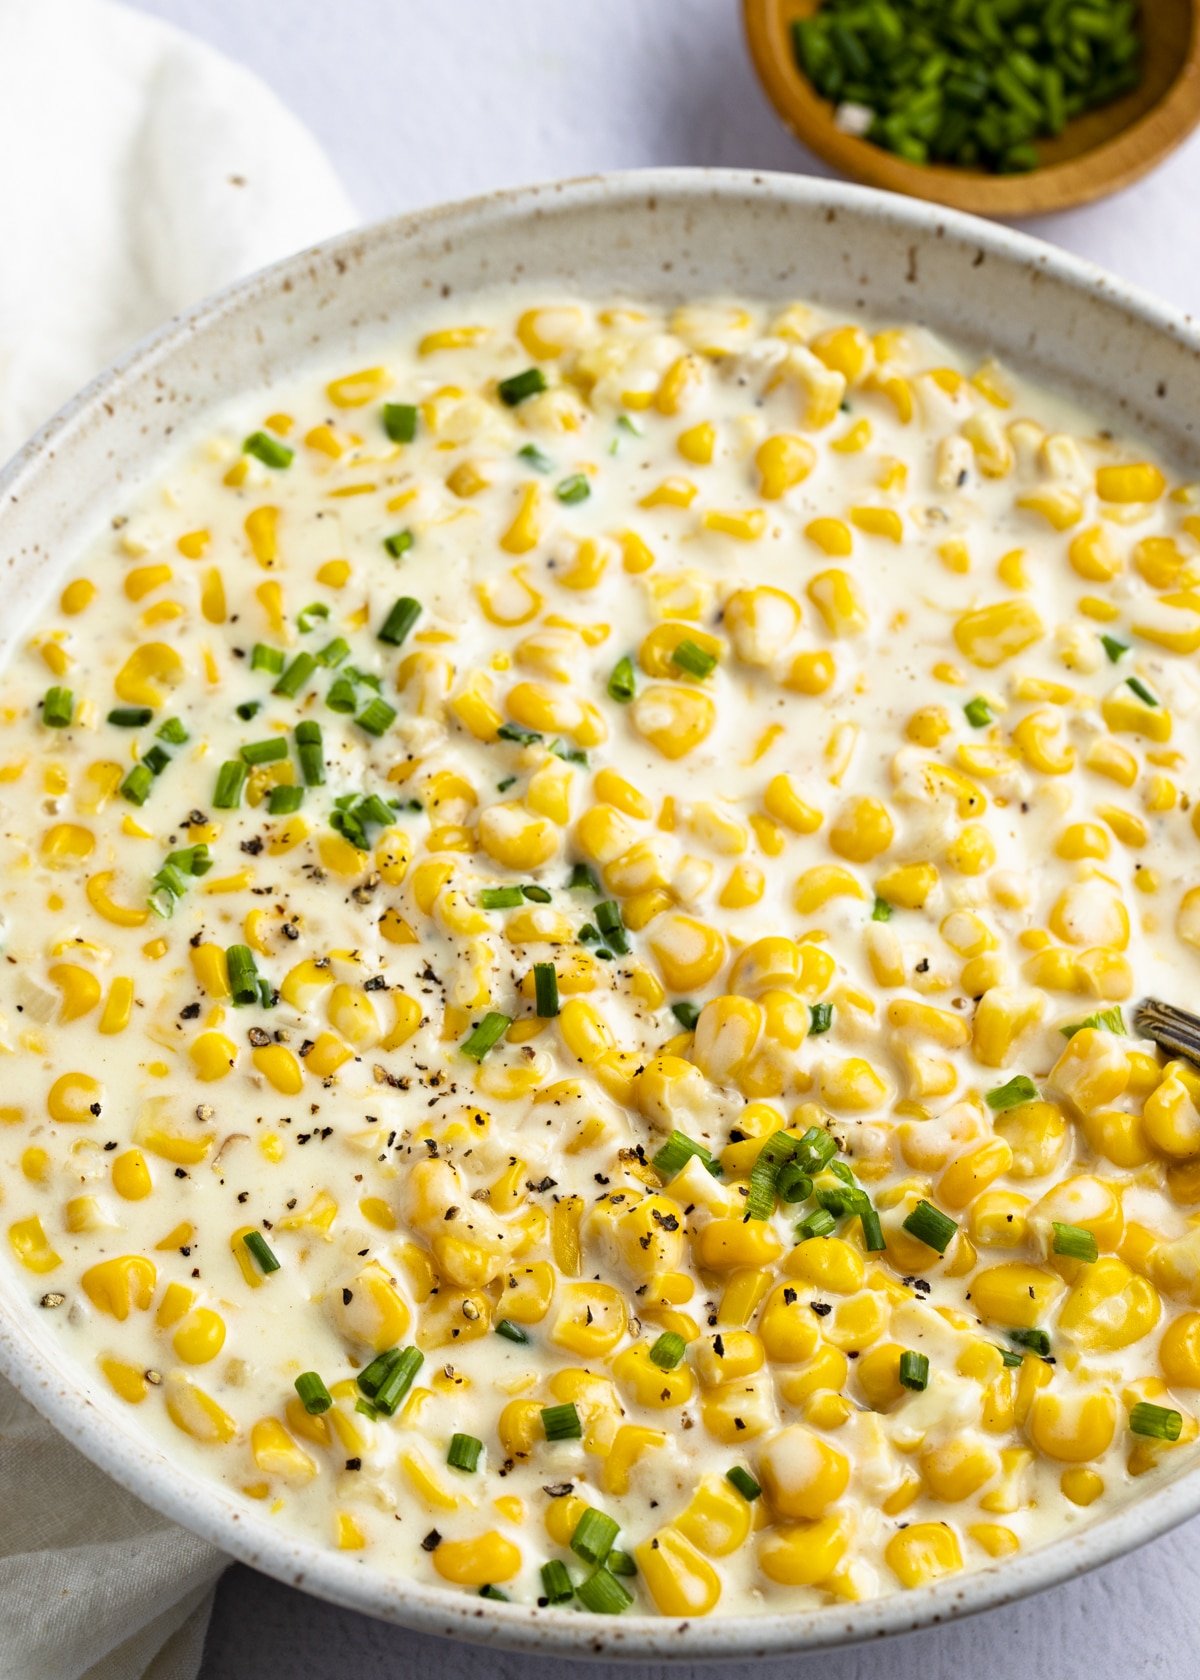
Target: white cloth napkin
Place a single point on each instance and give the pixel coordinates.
(139, 170)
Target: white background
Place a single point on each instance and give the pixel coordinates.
(422, 100)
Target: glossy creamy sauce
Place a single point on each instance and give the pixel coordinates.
(827, 705)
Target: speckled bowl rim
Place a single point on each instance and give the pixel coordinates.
(33, 1362)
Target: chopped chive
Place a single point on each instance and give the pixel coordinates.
(231, 779)
(269, 751)
(881, 911)
(248, 709)
(500, 898)
(1140, 689)
(243, 975)
(612, 927)
(815, 1150)
(668, 1350)
(622, 685)
(687, 1014)
(676, 1153)
(400, 620)
(376, 717)
(561, 1423)
(1016, 1091)
(516, 732)
(1074, 1243)
(510, 1331)
(173, 732)
(400, 421)
(1106, 1020)
(1160, 1423)
(820, 1223)
(314, 1396)
(156, 760)
(695, 660)
(258, 1247)
(594, 1535)
(1113, 648)
(518, 386)
(284, 800)
(489, 1032)
(583, 879)
(744, 1482)
(545, 986)
(931, 1226)
(464, 1453)
(398, 544)
(557, 1585)
(537, 458)
(295, 676)
(270, 451)
(334, 652)
(130, 717)
(603, 1594)
(264, 658)
(820, 1016)
(341, 696)
(58, 708)
(573, 489)
(137, 784)
(979, 713)
(398, 1380)
(1037, 1341)
(311, 751)
(914, 1371)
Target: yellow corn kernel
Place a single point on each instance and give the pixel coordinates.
(987, 636)
(688, 952)
(1014, 1294)
(783, 461)
(862, 830)
(121, 1285)
(923, 1552)
(804, 1554)
(831, 536)
(1072, 1428)
(213, 1055)
(1126, 714)
(678, 1577)
(801, 1474)
(1138, 482)
(31, 1245)
(836, 597)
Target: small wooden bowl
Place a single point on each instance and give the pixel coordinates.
(1096, 154)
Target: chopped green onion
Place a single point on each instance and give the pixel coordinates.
(914, 1371)
(536, 894)
(594, 1535)
(372, 1375)
(676, 1153)
(668, 1350)
(1105, 1020)
(265, 752)
(537, 458)
(1037, 1341)
(311, 752)
(820, 1016)
(1010, 1358)
(612, 928)
(400, 421)
(1113, 648)
(557, 1585)
(270, 451)
(518, 386)
(693, 659)
(1018, 1090)
(931, 1226)
(821, 1223)
(173, 732)
(545, 986)
(979, 713)
(760, 1202)
(620, 1563)
(793, 1183)
(137, 784)
(193, 860)
(882, 910)
(1160, 1423)
(284, 800)
(516, 732)
(243, 975)
(603, 1594)
(561, 1423)
(130, 717)
(264, 658)
(622, 685)
(295, 676)
(1140, 689)
(398, 544)
(248, 709)
(874, 1241)
(341, 696)
(510, 1331)
(687, 1014)
(376, 717)
(464, 1452)
(573, 489)
(815, 1149)
(156, 760)
(231, 779)
(334, 652)
(496, 1593)
(398, 1380)
(1074, 1243)
(58, 708)
(309, 615)
(744, 1482)
(489, 1032)
(500, 898)
(257, 1246)
(314, 1396)
(400, 620)
(583, 879)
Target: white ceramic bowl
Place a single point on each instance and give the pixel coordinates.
(668, 234)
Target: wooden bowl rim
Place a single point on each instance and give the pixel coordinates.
(1115, 163)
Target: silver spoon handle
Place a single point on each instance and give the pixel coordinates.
(1172, 1029)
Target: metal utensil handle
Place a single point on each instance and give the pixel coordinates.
(1174, 1030)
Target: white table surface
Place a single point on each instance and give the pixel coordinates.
(418, 101)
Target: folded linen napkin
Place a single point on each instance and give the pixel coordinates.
(139, 171)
